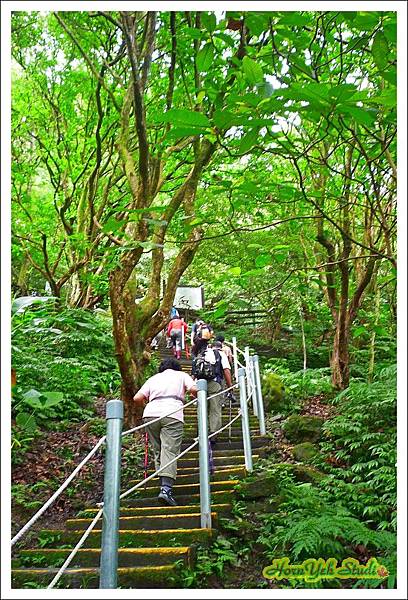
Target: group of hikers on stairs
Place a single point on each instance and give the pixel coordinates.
(165, 392)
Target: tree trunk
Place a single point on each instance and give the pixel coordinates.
(340, 360)
(132, 343)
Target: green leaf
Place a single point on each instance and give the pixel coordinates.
(262, 260)
(254, 273)
(257, 22)
(209, 21)
(386, 98)
(248, 140)
(183, 116)
(112, 225)
(359, 331)
(223, 119)
(176, 133)
(366, 21)
(53, 398)
(265, 89)
(252, 71)
(361, 115)
(200, 96)
(294, 18)
(390, 75)
(380, 50)
(32, 395)
(234, 271)
(193, 32)
(26, 421)
(20, 304)
(205, 58)
(343, 92)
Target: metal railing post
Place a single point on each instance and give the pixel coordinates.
(235, 357)
(258, 391)
(205, 494)
(248, 380)
(246, 435)
(110, 525)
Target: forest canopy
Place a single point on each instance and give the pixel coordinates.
(261, 145)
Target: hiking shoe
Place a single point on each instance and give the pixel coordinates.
(166, 496)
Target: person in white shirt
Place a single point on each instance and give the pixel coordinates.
(164, 394)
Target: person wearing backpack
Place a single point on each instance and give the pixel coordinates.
(212, 364)
(164, 393)
(201, 333)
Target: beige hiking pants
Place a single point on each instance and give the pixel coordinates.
(165, 437)
(214, 407)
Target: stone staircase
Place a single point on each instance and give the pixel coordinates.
(154, 541)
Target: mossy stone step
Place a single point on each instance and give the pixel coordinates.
(236, 432)
(161, 510)
(90, 557)
(194, 477)
(185, 499)
(190, 470)
(234, 444)
(88, 578)
(219, 461)
(152, 489)
(133, 538)
(180, 521)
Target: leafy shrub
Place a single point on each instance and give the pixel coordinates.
(69, 352)
(273, 392)
(312, 382)
(362, 438)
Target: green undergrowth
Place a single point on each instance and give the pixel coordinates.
(341, 504)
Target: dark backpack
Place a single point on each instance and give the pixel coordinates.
(202, 369)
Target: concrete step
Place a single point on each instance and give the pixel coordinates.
(160, 510)
(236, 432)
(90, 557)
(133, 538)
(188, 488)
(220, 468)
(219, 461)
(218, 475)
(217, 452)
(233, 444)
(183, 499)
(88, 578)
(178, 521)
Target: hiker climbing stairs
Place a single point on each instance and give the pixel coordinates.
(154, 541)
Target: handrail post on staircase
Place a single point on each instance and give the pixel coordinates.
(248, 380)
(205, 494)
(246, 435)
(235, 357)
(258, 392)
(110, 525)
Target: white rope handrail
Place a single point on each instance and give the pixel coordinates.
(222, 391)
(232, 345)
(75, 550)
(62, 487)
(239, 414)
